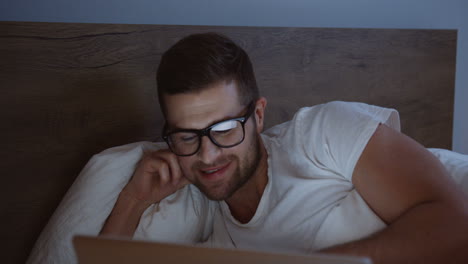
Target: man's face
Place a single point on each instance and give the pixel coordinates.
(217, 172)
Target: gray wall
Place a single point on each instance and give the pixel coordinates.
(433, 14)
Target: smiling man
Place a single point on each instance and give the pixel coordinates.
(338, 177)
(230, 154)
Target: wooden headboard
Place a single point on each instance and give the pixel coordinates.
(69, 91)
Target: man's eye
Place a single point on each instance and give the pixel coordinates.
(222, 132)
(188, 138)
(184, 138)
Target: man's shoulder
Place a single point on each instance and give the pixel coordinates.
(340, 108)
(342, 114)
(321, 114)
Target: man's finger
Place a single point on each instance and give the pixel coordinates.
(164, 173)
(176, 172)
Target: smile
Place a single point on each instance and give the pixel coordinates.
(211, 171)
(214, 173)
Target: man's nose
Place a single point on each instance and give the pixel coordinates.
(208, 151)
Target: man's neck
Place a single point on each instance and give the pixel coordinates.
(244, 202)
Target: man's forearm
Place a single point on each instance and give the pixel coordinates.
(428, 233)
(125, 217)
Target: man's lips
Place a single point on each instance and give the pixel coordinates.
(214, 173)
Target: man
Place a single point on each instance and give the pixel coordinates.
(293, 188)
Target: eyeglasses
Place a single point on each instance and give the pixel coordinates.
(224, 134)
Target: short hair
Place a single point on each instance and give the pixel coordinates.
(200, 60)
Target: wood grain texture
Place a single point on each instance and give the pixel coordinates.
(68, 91)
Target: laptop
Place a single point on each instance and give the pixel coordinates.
(93, 250)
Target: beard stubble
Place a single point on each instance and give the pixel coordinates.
(241, 175)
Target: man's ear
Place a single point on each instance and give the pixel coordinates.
(260, 106)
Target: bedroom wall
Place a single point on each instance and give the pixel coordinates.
(433, 14)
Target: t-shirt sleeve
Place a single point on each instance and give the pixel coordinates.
(335, 134)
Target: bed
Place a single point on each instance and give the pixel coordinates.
(70, 90)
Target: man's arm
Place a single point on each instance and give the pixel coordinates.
(407, 187)
(156, 176)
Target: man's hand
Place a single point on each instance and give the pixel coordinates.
(156, 176)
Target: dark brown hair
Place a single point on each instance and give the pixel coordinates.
(200, 60)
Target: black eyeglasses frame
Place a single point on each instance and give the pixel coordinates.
(206, 132)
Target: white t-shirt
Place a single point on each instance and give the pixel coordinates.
(309, 202)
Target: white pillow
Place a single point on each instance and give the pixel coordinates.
(456, 164)
(92, 196)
